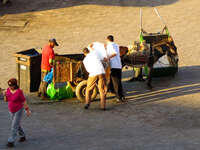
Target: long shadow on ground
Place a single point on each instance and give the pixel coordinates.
(21, 6)
(185, 82)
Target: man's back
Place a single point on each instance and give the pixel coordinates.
(93, 64)
(47, 54)
(100, 50)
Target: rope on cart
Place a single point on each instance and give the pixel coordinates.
(162, 20)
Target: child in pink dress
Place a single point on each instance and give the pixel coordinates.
(16, 104)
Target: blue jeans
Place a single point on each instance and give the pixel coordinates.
(15, 126)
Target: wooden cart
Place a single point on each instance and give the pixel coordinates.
(70, 68)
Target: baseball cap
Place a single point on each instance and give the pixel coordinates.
(54, 41)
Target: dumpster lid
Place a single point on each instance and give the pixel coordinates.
(29, 52)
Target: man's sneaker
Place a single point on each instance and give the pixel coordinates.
(87, 106)
(149, 86)
(123, 99)
(38, 94)
(10, 144)
(22, 139)
(120, 100)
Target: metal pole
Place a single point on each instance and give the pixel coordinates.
(140, 19)
(163, 21)
(155, 9)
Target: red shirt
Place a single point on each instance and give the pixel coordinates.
(15, 100)
(47, 53)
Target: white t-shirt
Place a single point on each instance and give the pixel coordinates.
(93, 65)
(115, 62)
(99, 50)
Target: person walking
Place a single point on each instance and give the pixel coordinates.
(96, 71)
(113, 52)
(46, 65)
(16, 105)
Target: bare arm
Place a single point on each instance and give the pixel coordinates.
(4, 95)
(5, 99)
(51, 57)
(26, 107)
(113, 55)
(111, 51)
(91, 46)
(109, 57)
(51, 61)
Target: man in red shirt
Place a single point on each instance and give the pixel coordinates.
(46, 65)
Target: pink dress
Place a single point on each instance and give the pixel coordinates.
(15, 100)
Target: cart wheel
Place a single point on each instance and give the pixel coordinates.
(80, 91)
(74, 83)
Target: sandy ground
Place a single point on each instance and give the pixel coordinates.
(165, 118)
(81, 22)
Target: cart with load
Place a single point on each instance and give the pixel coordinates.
(69, 69)
(156, 53)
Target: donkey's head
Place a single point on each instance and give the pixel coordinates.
(166, 47)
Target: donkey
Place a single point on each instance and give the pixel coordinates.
(150, 55)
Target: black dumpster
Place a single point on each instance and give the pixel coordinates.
(28, 70)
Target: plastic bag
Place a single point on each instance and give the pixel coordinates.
(60, 93)
(49, 77)
(65, 92)
(51, 91)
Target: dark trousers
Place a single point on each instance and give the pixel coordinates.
(115, 82)
(43, 85)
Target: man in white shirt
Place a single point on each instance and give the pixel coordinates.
(96, 72)
(116, 68)
(99, 49)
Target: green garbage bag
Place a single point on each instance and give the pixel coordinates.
(69, 90)
(65, 92)
(61, 93)
(51, 91)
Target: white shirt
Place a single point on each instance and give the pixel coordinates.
(93, 65)
(99, 50)
(115, 62)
